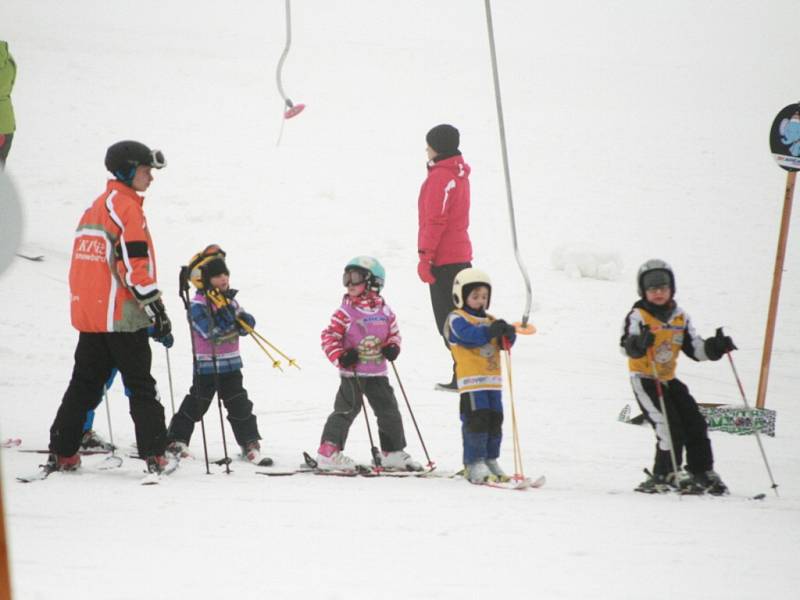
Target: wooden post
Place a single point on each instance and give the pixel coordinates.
(776, 289)
(5, 568)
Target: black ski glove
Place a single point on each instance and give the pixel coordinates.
(349, 358)
(636, 345)
(158, 317)
(719, 345)
(391, 352)
(497, 328)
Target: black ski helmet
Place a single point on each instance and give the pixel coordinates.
(123, 157)
(657, 272)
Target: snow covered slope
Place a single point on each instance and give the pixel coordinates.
(635, 130)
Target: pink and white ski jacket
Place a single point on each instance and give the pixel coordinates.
(367, 324)
(444, 213)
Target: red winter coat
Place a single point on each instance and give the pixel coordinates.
(444, 213)
(113, 270)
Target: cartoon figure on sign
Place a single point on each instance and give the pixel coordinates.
(369, 349)
(790, 134)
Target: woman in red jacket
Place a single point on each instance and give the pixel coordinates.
(443, 239)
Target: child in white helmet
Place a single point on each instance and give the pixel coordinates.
(360, 338)
(654, 333)
(476, 339)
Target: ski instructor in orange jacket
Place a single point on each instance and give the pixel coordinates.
(116, 306)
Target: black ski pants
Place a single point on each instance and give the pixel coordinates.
(347, 405)
(442, 296)
(95, 356)
(686, 423)
(197, 401)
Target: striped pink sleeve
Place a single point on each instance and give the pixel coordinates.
(333, 336)
(394, 330)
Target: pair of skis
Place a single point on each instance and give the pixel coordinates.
(311, 467)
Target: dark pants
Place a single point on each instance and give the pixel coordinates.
(95, 356)
(442, 296)
(481, 424)
(686, 424)
(347, 405)
(5, 147)
(197, 401)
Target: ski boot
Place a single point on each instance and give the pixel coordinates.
(330, 458)
(251, 452)
(56, 462)
(654, 484)
(478, 472)
(496, 470)
(92, 441)
(712, 483)
(399, 460)
(179, 449)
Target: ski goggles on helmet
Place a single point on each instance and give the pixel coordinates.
(355, 277)
(157, 159)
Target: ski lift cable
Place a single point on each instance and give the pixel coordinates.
(522, 327)
(292, 109)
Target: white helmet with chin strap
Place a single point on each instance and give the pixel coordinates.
(466, 280)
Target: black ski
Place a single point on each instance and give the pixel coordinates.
(38, 258)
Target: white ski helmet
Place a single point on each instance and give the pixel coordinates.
(657, 272)
(465, 281)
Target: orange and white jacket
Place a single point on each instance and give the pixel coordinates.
(113, 270)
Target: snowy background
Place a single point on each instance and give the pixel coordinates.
(636, 129)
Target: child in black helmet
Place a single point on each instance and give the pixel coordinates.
(216, 327)
(655, 331)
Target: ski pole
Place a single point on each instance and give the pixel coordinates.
(755, 427)
(376, 455)
(276, 364)
(523, 327)
(219, 396)
(113, 460)
(183, 292)
(431, 464)
(253, 332)
(169, 376)
(519, 472)
(660, 392)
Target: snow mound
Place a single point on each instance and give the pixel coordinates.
(580, 260)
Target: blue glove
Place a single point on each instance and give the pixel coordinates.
(225, 317)
(247, 318)
(165, 340)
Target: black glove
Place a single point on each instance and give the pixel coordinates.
(637, 345)
(719, 345)
(349, 358)
(390, 352)
(158, 317)
(499, 328)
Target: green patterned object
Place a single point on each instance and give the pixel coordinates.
(740, 420)
(720, 417)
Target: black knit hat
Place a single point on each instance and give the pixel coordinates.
(443, 139)
(215, 267)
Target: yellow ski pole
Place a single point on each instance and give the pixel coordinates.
(276, 364)
(519, 472)
(292, 361)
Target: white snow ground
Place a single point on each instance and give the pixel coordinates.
(635, 128)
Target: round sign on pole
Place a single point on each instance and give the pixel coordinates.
(784, 138)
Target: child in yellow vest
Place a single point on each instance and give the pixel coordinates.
(655, 331)
(475, 339)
